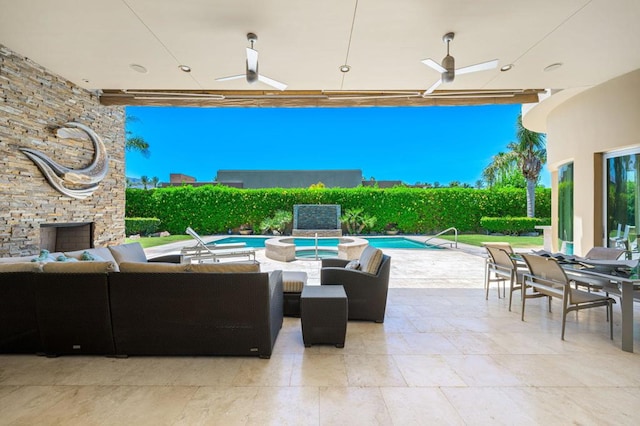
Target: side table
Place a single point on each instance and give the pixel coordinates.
(323, 314)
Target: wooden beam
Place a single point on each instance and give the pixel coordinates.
(314, 98)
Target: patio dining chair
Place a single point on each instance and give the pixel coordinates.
(547, 278)
(489, 260)
(504, 267)
(597, 253)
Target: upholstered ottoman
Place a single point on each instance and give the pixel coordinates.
(324, 310)
(292, 284)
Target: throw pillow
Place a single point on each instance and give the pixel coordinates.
(99, 253)
(370, 260)
(354, 264)
(63, 258)
(44, 256)
(91, 257)
(132, 252)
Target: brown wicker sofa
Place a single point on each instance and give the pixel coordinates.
(138, 308)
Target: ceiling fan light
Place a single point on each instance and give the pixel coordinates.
(447, 77)
(252, 76)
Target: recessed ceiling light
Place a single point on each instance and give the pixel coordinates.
(138, 68)
(345, 68)
(185, 68)
(85, 80)
(506, 67)
(553, 67)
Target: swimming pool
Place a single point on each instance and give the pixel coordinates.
(378, 242)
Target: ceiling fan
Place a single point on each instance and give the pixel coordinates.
(252, 74)
(448, 69)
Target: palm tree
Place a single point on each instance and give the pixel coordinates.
(528, 154)
(155, 181)
(136, 143)
(144, 180)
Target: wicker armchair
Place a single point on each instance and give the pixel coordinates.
(366, 293)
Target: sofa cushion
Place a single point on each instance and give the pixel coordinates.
(99, 254)
(154, 267)
(370, 260)
(17, 259)
(132, 252)
(79, 267)
(21, 267)
(293, 281)
(225, 267)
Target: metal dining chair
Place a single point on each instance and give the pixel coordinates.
(547, 278)
(504, 267)
(489, 261)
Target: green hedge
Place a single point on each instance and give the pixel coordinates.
(215, 209)
(512, 225)
(141, 225)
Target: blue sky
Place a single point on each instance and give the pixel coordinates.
(412, 144)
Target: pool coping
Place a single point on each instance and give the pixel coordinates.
(283, 249)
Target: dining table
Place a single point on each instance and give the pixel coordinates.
(613, 280)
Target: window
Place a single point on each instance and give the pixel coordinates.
(622, 210)
(565, 206)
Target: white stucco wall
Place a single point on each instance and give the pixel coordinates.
(602, 119)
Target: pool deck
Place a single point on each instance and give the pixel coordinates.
(444, 355)
(461, 267)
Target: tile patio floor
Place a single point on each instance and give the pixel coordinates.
(443, 356)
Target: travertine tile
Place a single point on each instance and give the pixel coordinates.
(420, 406)
(373, 370)
(444, 355)
(319, 370)
(353, 406)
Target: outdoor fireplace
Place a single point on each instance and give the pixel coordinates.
(57, 237)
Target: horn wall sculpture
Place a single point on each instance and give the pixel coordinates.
(80, 183)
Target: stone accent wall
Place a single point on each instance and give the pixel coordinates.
(33, 102)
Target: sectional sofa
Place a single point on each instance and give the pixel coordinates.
(120, 304)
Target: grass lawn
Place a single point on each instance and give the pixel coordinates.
(147, 242)
(478, 239)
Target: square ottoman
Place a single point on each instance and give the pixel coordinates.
(324, 312)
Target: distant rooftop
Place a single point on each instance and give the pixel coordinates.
(255, 179)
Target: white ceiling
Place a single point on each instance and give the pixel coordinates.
(303, 42)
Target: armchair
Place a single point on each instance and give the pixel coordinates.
(366, 292)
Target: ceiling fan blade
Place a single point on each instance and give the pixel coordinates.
(433, 87)
(231, 77)
(433, 64)
(478, 67)
(271, 82)
(252, 59)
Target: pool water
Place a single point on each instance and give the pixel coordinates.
(378, 242)
(311, 254)
(399, 243)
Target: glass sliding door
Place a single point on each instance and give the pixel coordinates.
(565, 208)
(622, 209)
